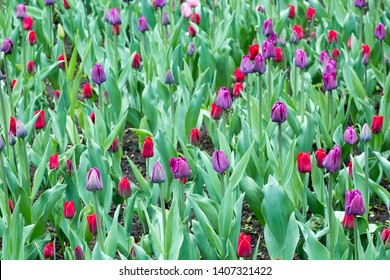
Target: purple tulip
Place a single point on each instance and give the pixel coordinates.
(11, 138)
(267, 27)
(165, 19)
(324, 57)
(330, 81)
(273, 38)
(282, 41)
(191, 49)
(380, 31)
(98, 75)
(330, 66)
(365, 133)
(158, 173)
(21, 131)
(294, 37)
(354, 204)
(268, 49)
(300, 59)
(360, 3)
(220, 161)
(2, 144)
(7, 46)
(114, 17)
(259, 64)
(279, 112)
(48, 2)
(350, 136)
(94, 180)
(21, 11)
(246, 65)
(143, 25)
(332, 159)
(179, 167)
(169, 79)
(224, 99)
(160, 3)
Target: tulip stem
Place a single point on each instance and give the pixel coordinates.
(99, 223)
(366, 193)
(330, 218)
(101, 101)
(147, 171)
(356, 236)
(24, 56)
(162, 205)
(162, 27)
(5, 189)
(330, 106)
(360, 28)
(302, 96)
(248, 100)
(384, 67)
(280, 150)
(8, 81)
(304, 197)
(260, 110)
(5, 119)
(15, 163)
(181, 198)
(222, 185)
(171, 102)
(269, 81)
(50, 26)
(116, 70)
(365, 79)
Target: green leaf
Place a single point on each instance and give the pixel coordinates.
(239, 170)
(313, 248)
(254, 196)
(112, 239)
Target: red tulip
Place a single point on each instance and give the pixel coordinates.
(335, 54)
(66, 5)
(53, 162)
(377, 122)
(32, 37)
(365, 54)
(195, 137)
(92, 224)
(348, 221)
(28, 23)
(62, 59)
(40, 123)
(124, 188)
(69, 167)
(88, 93)
(237, 88)
(298, 29)
(350, 170)
(304, 162)
(12, 125)
(31, 69)
(195, 18)
(48, 250)
(320, 156)
(239, 77)
(136, 64)
(332, 36)
(148, 148)
(11, 205)
(13, 83)
(291, 13)
(253, 50)
(244, 245)
(92, 117)
(191, 31)
(310, 13)
(69, 209)
(114, 147)
(216, 112)
(349, 43)
(278, 54)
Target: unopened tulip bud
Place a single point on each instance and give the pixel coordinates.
(2, 144)
(300, 59)
(20, 11)
(279, 112)
(158, 173)
(79, 253)
(386, 238)
(7, 46)
(53, 162)
(350, 170)
(224, 99)
(186, 10)
(299, 30)
(195, 137)
(304, 162)
(87, 90)
(28, 23)
(216, 112)
(92, 224)
(179, 168)
(246, 65)
(32, 38)
(136, 63)
(376, 125)
(92, 117)
(350, 136)
(69, 209)
(165, 19)
(282, 41)
(360, 3)
(294, 39)
(365, 133)
(330, 81)
(278, 55)
(98, 75)
(94, 180)
(11, 205)
(244, 248)
(332, 36)
(335, 54)
(332, 160)
(191, 31)
(48, 250)
(21, 131)
(61, 59)
(380, 31)
(143, 25)
(310, 13)
(348, 221)
(60, 31)
(195, 18)
(114, 17)
(259, 64)
(365, 54)
(48, 2)
(268, 49)
(148, 148)
(253, 50)
(124, 188)
(31, 69)
(193, 3)
(11, 138)
(69, 167)
(237, 89)
(220, 161)
(12, 124)
(169, 79)
(66, 5)
(354, 204)
(191, 49)
(114, 147)
(267, 27)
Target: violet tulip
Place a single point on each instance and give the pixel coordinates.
(354, 204)
(259, 64)
(224, 99)
(158, 173)
(380, 31)
(350, 136)
(220, 161)
(365, 133)
(300, 59)
(267, 27)
(179, 167)
(268, 49)
(332, 160)
(98, 75)
(246, 65)
(279, 112)
(143, 25)
(94, 180)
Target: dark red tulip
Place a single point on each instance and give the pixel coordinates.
(87, 90)
(244, 248)
(195, 137)
(28, 23)
(239, 77)
(377, 122)
(53, 162)
(12, 125)
(253, 50)
(69, 209)
(48, 250)
(304, 162)
(40, 123)
(332, 36)
(291, 13)
(216, 112)
(148, 148)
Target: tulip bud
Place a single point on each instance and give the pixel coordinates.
(28, 23)
(60, 31)
(98, 75)
(1, 76)
(220, 161)
(20, 11)
(87, 90)
(267, 27)
(7, 46)
(124, 188)
(53, 162)
(195, 18)
(94, 180)
(348, 221)
(10, 203)
(69, 167)
(191, 49)
(21, 131)
(48, 2)
(66, 5)
(193, 3)
(224, 99)
(237, 88)
(350, 136)
(114, 147)
(61, 58)
(32, 38)
(179, 168)
(69, 209)
(335, 54)
(376, 125)
(310, 13)
(143, 25)
(92, 224)
(273, 38)
(253, 50)
(11, 138)
(136, 63)
(332, 36)
(332, 160)
(354, 204)
(40, 123)
(114, 17)
(349, 43)
(365, 54)
(360, 3)
(31, 69)
(216, 112)
(169, 79)
(158, 173)
(186, 10)
(294, 39)
(92, 117)
(195, 137)
(324, 57)
(2, 144)
(259, 64)
(330, 66)
(291, 13)
(282, 41)
(299, 30)
(279, 112)
(239, 77)
(246, 65)
(386, 238)
(300, 59)
(244, 248)
(12, 124)
(365, 134)
(268, 49)
(165, 19)
(304, 162)
(278, 55)
(148, 148)
(48, 250)
(13, 84)
(330, 81)
(191, 31)
(380, 31)
(79, 253)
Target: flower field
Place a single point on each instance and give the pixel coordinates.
(194, 130)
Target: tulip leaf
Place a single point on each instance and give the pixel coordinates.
(98, 254)
(240, 168)
(253, 196)
(313, 248)
(116, 132)
(112, 240)
(207, 250)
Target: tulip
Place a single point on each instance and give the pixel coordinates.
(253, 50)
(237, 88)
(66, 5)
(136, 63)
(268, 49)
(244, 249)
(195, 18)
(186, 10)
(114, 147)
(310, 13)
(300, 59)
(354, 204)
(220, 161)
(87, 90)
(158, 173)
(386, 238)
(40, 123)
(191, 49)
(278, 55)
(349, 43)
(348, 221)
(160, 3)
(21, 131)
(224, 99)
(12, 124)
(335, 54)
(360, 3)
(31, 69)
(324, 57)
(165, 19)
(11, 138)
(332, 160)
(2, 144)
(365, 134)
(273, 38)
(20, 11)
(304, 162)
(79, 253)
(148, 148)
(124, 188)
(267, 27)
(61, 59)
(69, 166)
(48, 250)
(179, 167)
(282, 41)
(259, 64)
(13, 84)
(365, 54)
(11, 205)
(98, 75)
(330, 66)
(48, 2)
(28, 23)
(376, 125)
(239, 77)
(143, 24)
(32, 38)
(53, 162)
(246, 65)
(294, 39)
(193, 3)
(169, 79)
(7, 46)
(92, 224)
(69, 209)
(380, 31)
(216, 112)
(350, 136)
(94, 180)
(298, 29)
(332, 36)
(350, 170)
(330, 81)
(191, 31)
(291, 13)
(195, 137)
(279, 112)
(92, 117)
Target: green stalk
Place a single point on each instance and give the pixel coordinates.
(6, 123)
(7, 79)
(147, 171)
(330, 107)
(295, 84)
(99, 223)
(101, 101)
(222, 185)
(24, 54)
(304, 197)
(5, 189)
(171, 102)
(366, 193)
(164, 219)
(330, 218)
(360, 28)
(302, 96)
(162, 28)
(116, 70)
(365, 79)
(181, 198)
(356, 236)
(224, 122)
(280, 150)
(15, 163)
(260, 110)
(384, 67)
(248, 100)
(50, 26)
(269, 75)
